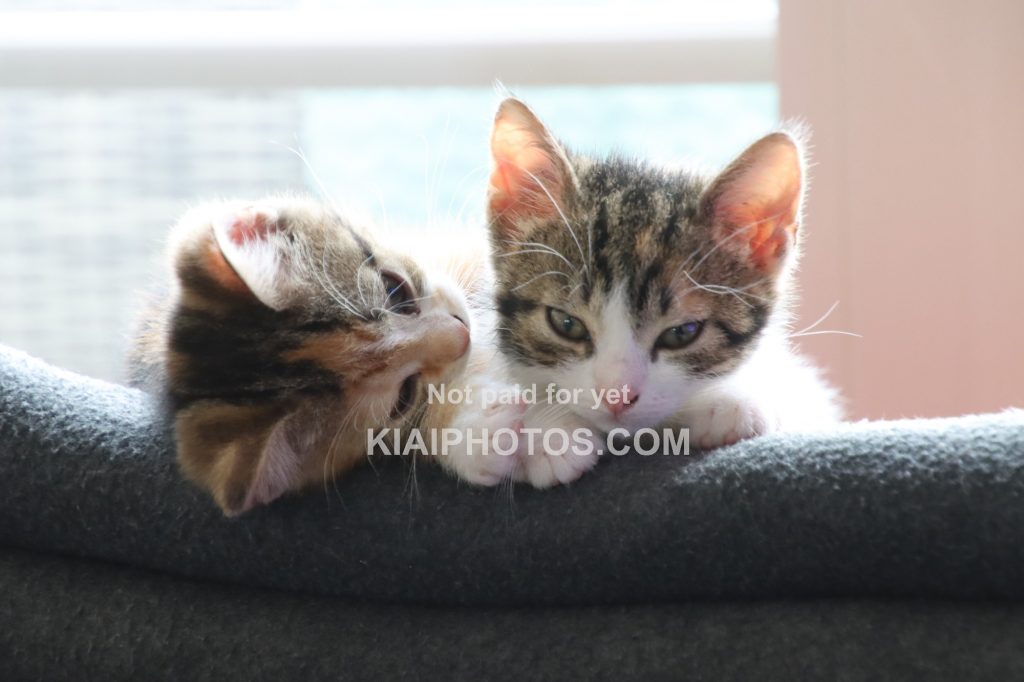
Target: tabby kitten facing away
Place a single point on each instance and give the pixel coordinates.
(286, 335)
(612, 273)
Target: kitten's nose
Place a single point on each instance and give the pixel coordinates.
(463, 335)
(617, 404)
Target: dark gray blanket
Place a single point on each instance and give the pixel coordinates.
(74, 619)
(914, 508)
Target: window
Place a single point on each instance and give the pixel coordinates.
(112, 122)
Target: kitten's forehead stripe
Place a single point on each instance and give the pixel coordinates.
(665, 301)
(646, 283)
(600, 244)
(668, 232)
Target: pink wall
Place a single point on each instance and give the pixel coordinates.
(916, 209)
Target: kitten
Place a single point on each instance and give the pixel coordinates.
(288, 334)
(675, 287)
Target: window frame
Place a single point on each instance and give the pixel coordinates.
(470, 47)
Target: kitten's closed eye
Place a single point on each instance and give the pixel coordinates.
(680, 336)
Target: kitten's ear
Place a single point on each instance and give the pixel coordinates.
(253, 255)
(531, 176)
(754, 205)
(241, 454)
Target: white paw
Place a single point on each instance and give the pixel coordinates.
(556, 451)
(491, 462)
(726, 420)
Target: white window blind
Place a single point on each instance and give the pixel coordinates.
(113, 121)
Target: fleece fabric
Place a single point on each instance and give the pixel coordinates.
(931, 508)
(76, 619)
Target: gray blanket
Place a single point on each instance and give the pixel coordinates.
(913, 508)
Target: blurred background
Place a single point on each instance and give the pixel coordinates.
(116, 115)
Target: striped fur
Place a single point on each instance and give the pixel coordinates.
(277, 346)
(631, 252)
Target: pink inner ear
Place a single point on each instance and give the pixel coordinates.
(768, 225)
(250, 225)
(763, 200)
(523, 170)
(236, 233)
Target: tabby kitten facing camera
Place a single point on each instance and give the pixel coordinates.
(613, 273)
(288, 334)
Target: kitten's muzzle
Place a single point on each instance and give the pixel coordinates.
(622, 403)
(444, 341)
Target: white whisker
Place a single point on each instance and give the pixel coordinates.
(561, 214)
(818, 321)
(526, 251)
(825, 331)
(543, 274)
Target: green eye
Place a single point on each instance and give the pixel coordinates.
(679, 336)
(567, 326)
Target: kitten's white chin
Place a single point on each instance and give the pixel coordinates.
(596, 421)
(628, 422)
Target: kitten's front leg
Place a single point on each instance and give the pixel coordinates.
(528, 443)
(777, 391)
(557, 447)
(725, 414)
(486, 445)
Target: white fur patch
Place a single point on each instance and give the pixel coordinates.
(259, 261)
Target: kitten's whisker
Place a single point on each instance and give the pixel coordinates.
(523, 252)
(543, 274)
(574, 289)
(332, 450)
(508, 486)
(469, 196)
(721, 289)
(331, 290)
(825, 331)
(561, 214)
(412, 484)
(538, 245)
(316, 176)
(816, 322)
(737, 232)
(359, 281)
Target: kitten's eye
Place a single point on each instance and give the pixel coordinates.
(400, 297)
(406, 396)
(679, 336)
(567, 326)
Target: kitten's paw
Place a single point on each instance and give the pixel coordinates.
(554, 454)
(546, 469)
(491, 462)
(727, 420)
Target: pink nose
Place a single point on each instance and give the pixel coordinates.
(463, 334)
(622, 401)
